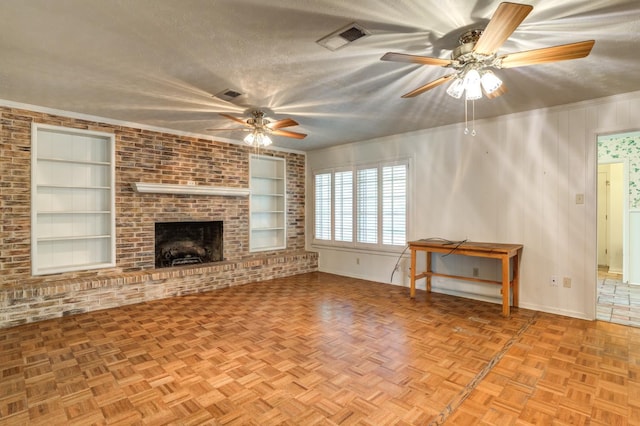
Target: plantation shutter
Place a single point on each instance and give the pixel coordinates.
(367, 205)
(323, 206)
(394, 204)
(343, 202)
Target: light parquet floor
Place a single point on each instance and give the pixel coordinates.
(318, 349)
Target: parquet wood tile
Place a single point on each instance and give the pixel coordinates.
(318, 349)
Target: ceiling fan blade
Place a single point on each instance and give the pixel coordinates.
(287, 122)
(289, 134)
(547, 54)
(236, 119)
(414, 59)
(503, 23)
(429, 86)
(498, 92)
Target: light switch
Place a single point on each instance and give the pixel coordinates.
(579, 198)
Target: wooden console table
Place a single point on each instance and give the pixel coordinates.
(503, 252)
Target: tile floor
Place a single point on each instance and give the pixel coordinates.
(618, 302)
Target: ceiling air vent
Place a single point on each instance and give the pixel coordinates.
(228, 95)
(343, 36)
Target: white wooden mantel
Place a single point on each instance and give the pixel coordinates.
(167, 188)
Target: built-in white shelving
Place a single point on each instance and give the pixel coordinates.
(72, 199)
(268, 229)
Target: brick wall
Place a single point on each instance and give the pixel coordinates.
(141, 156)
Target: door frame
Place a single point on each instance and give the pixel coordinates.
(591, 267)
(605, 228)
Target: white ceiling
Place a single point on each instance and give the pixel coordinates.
(158, 62)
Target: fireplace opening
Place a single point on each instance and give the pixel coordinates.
(186, 243)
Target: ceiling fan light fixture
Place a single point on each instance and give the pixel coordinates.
(456, 89)
(250, 138)
(490, 82)
(472, 85)
(258, 138)
(263, 139)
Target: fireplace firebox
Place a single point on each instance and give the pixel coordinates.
(186, 243)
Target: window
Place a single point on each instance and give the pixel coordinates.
(394, 205)
(368, 206)
(372, 200)
(343, 201)
(323, 207)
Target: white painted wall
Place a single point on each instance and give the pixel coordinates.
(515, 182)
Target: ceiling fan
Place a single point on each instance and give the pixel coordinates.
(260, 128)
(477, 54)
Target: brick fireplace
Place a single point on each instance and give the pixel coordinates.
(141, 156)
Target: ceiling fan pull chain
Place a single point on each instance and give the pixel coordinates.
(473, 117)
(466, 128)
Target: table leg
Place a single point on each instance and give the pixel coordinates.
(505, 286)
(516, 280)
(412, 292)
(428, 284)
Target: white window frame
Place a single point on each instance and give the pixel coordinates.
(379, 245)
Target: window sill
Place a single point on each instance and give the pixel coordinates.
(385, 250)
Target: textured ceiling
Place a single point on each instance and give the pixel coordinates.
(158, 62)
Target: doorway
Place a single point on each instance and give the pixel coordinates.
(610, 217)
(618, 299)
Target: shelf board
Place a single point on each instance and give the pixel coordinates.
(70, 161)
(267, 177)
(165, 188)
(267, 247)
(72, 187)
(253, 194)
(74, 212)
(81, 237)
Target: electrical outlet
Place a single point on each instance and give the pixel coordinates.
(476, 272)
(357, 260)
(566, 282)
(553, 281)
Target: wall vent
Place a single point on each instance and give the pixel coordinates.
(343, 36)
(227, 95)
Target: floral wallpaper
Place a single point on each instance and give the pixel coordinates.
(621, 146)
